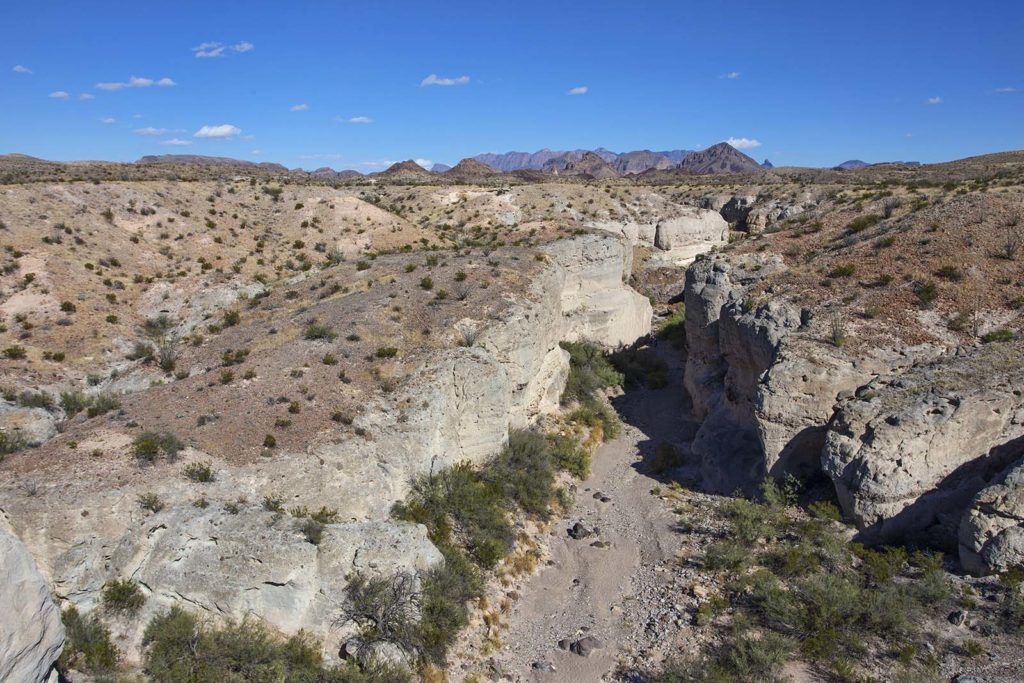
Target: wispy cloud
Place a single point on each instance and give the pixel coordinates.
(425, 163)
(225, 130)
(320, 157)
(87, 96)
(578, 90)
(744, 143)
(59, 95)
(299, 107)
(934, 100)
(175, 142)
(151, 131)
(731, 76)
(136, 82)
(215, 49)
(377, 163)
(1005, 89)
(434, 79)
(19, 69)
(360, 119)
(108, 120)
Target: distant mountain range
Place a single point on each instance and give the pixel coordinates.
(603, 163)
(624, 163)
(199, 160)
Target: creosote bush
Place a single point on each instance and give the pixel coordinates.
(178, 646)
(149, 446)
(87, 646)
(122, 596)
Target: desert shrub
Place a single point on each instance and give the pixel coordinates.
(673, 328)
(589, 371)
(177, 646)
(742, 657)
(11, 442)
(1001, 335)
(569, 456)
(15, 352)
(665, 457)
(951, 273)
(386, 352)
(525, 471)
(598, 415)
(842, 270)
(200, 472)
(122, 596)
(862, 223)
(312, 530)
(927, 293)
(150, 502)
(385, 609)
(102, 404)
(148, 446)
(35, 399)
(317, 331)
(87, 646)
(642, 367)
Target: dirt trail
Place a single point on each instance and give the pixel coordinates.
(605, 592)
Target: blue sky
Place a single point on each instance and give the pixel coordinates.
(356, 85)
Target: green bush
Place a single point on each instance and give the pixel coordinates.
(1001, 335)
(148, 446)
(589, 371)
(569, 456)
(666, 457)
(87, 645)
(200, 472)
(673, 328)
(179, 648)
(317, 331)
(123, 596)
(593, 413)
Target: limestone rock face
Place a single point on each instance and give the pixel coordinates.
(908, 456)
(757, 374)
(31, 632)
(992, 530)
(679, 238)
(457, 405)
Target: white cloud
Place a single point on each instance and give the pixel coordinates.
(377, 163)
(108, 120)
(434, 79)
(175, 142)
(136, 116)
(87, 96)
(59, 95)
(935, 100)
(299, 107)
(578, 90)
(19, 69)
(360, 119)
(743, 143)
(425, 163)
(731, 76)
(322, 157)
(215, 49)
(257, 152)
(1007, 89)
(224, 130)
(136, 82)
(150, 131)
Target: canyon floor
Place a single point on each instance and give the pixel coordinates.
(606, 585)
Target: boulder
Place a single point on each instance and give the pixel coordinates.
(908, 455)
(991, 532)
(31, 632)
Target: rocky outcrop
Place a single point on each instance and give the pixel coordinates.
(31, 632)
(678, 238)
(991, 535)
(760, 375)
(754, 213)
(909, 454)
(235, 557)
